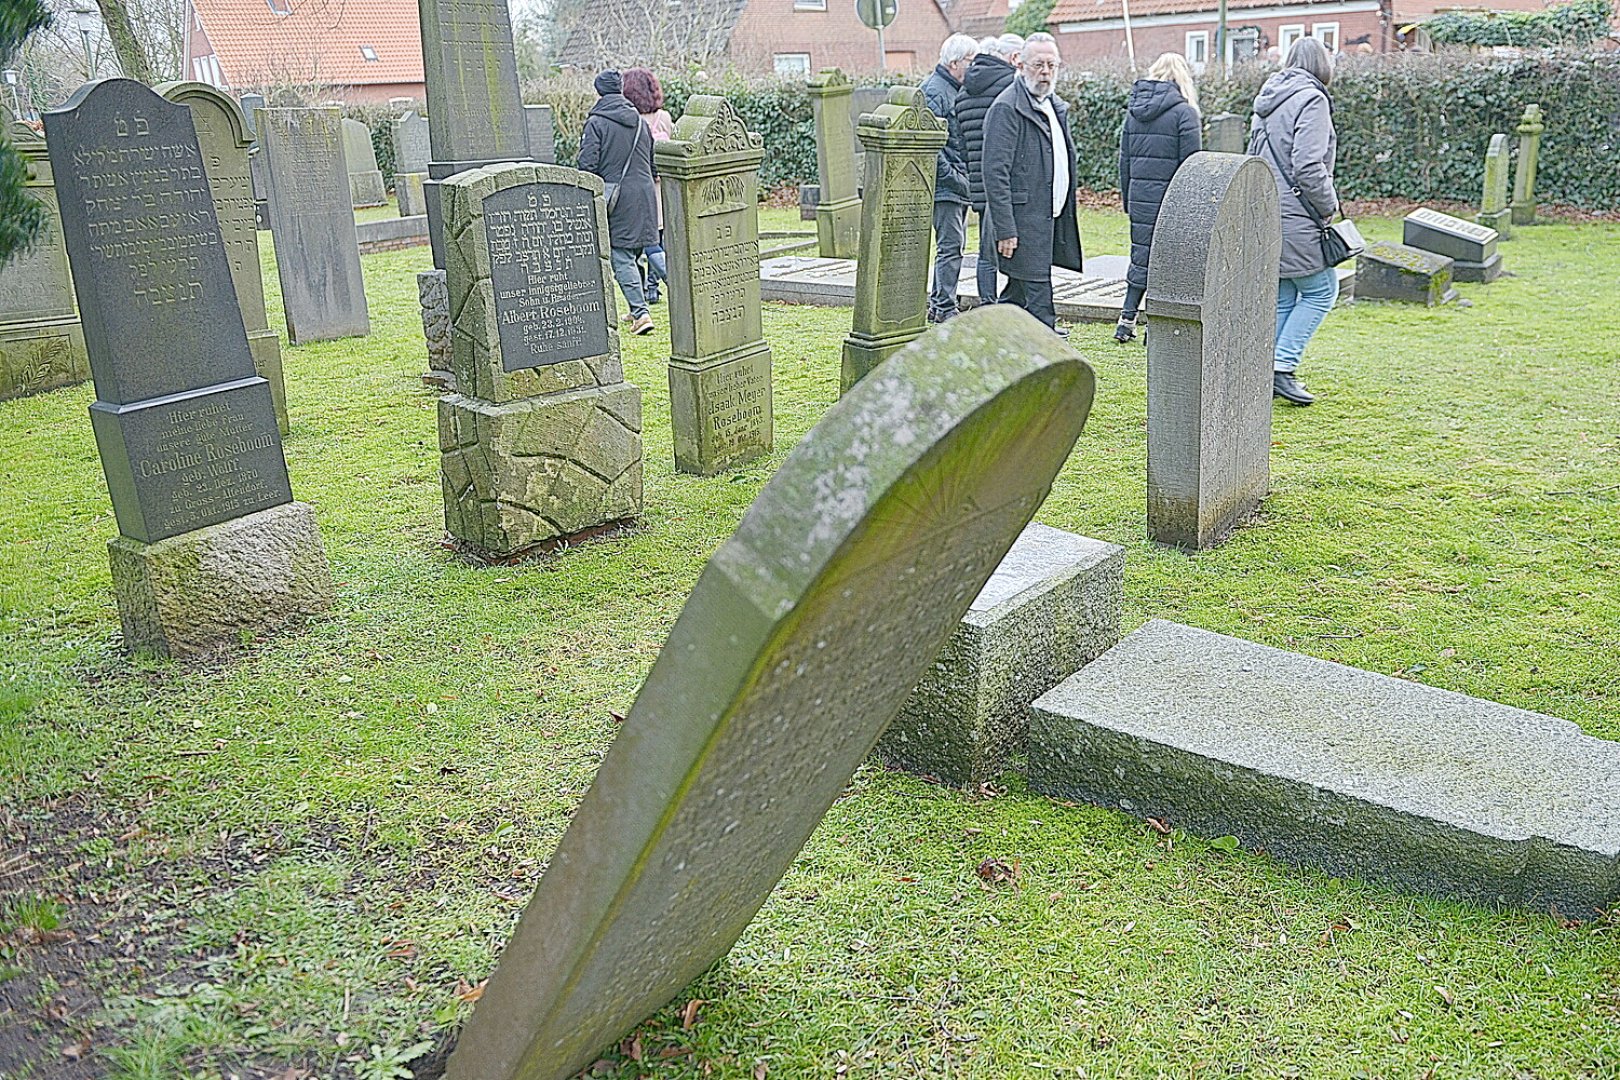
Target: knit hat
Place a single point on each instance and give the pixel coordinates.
(609, 82)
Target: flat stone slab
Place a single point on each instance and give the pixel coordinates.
(1051, 607)
(1320, 764)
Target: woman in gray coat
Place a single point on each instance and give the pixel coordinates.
(1292, 130)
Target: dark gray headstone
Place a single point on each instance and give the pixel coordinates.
(317, 251)
(542, 133)
(1388, 271)
(1227, 133)
(186, 429)
(545, 232)
(251, 103)
(1471, 245)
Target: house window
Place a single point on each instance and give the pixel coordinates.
(1198, 50)
(809, 5)
(1328, 34)
(280, 7)
(1287, 35)
(793, 64)
(369, 53)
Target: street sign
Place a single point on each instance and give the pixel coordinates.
(876, 13)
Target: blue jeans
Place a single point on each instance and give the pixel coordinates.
(627, 272)
(1302, 304)
(657, 269)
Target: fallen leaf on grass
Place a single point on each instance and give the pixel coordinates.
(616, 717)
(631, 1048)
(1446, 996)
(759, 1070)
(469, 994)
(77, 1051)
(996, 872)
(1159, 827)
(689, 1013)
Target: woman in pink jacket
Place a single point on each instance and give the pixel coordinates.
(641, 87)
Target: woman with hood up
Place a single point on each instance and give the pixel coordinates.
(617, 146)
(1292, 130)
(1162, 129)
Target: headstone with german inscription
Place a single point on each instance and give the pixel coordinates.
(41, 342)
(1472, 246)
(223, 136)
(903, 138)
(542, 133)
(411, 153)
(720, 365)
(838, 211)
(251, 104)
(541, 443)
(360, 158)
(211, 544)
(312, 224)
(1494, 211)
(805, 633)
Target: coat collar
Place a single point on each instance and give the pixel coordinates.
(945, 73)
(1024, 101)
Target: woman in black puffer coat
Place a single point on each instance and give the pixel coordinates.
(1162, 129)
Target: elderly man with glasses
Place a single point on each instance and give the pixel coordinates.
(1029, 166)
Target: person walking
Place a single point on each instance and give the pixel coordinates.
(950, 175)
(990, 73)
(1029, 164)
(641, 87)
(1292, 131)
(617, 146)
(1162, 129)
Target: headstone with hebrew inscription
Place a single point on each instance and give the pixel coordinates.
(542, 133)
(360, 158)
(223, 137)
(1494, 211)
(1470, 245)
(251, 104)
(1212, 284)
(720, 365)
(1524, 177)
(211, 544)
(805, 633)
(838, 211)
(541, 442)
(411, 155)
(903, 138)
(41, 343)
(312, 223)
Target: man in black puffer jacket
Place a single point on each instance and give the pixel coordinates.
(990, 73)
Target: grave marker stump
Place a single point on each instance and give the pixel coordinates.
(1524, 179)
(1494, 212)
(838, 213)
(366, 186)
(411, 153)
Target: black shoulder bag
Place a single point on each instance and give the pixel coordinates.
(1341, 240)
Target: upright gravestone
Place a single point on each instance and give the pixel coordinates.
(1212, 283)
(1227, 133)
(410, 136)
(720, 367)
(1524, 179)
(542, 133)
(211, 543)
(251, 104)
(838, 214)
(1471, 246)
(1494, 212)
(542, 442)
(902, 139)
(222, 134)
(360, 158)
(804, 634)
(41, 342)
(312, 223)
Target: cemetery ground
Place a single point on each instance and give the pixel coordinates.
(301, 859)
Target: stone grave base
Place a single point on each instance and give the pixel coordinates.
(838, 228)
(1051, 607)
(1500, 220)
(1479, 273)
(41, 355)
(1387, 271)
(523, 473)
(367, 189)
(408, 190)
(434, 296)
(1522, 213)
(862, 354)
(211, 586)
(721, 410)
(265, 346)
(1320, 764)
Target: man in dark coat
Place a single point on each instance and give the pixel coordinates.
(1162, 129)
(950, 175)
(990, 73)
(1029, 164)
(617, 146)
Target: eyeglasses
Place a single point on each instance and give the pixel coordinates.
(1044, 66)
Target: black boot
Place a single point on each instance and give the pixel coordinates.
(1290, 389)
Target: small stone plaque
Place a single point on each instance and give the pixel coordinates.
(547, 274)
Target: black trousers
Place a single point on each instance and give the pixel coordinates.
(1034, 297)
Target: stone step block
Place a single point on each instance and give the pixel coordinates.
(1052, 605)
(1320, 764)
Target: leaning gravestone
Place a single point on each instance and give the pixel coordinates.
(1386, 271)
(366, 186)
(41, 342)
(720, 367)
(1494, 212)
(838, 214)
(1472, 247)
(1212, 282)
(251, 104)
(903, 138)
(542, 442)
(211, 542)
(410, 135)
(1524, 179)
(804, 634)
(1228, 133)
(223, 137)
(542, 133)
(312, 224)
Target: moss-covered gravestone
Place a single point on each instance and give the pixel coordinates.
(1387, 271)
(211, 543)
(360, 159)
(223, 136)
(804, 634)
(903, 138)
(838, 213)
(542, 441)
(720, 367)
(410, 137)
(41, 342)
(1494, 212)
(1524, 179)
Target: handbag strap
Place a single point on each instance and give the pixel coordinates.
(1288, 177)
(635, 142)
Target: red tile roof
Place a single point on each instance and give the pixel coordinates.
(1091, 10)
(317, 41)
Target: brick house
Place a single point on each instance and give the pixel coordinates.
(355, 51)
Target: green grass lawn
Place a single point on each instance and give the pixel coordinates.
(309, 855)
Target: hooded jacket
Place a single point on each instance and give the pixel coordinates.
(1292, 113)
(1161, 131)
(986, 77)
(614, 134)
(950, 172)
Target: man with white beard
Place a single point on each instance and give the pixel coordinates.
(1029, 167)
